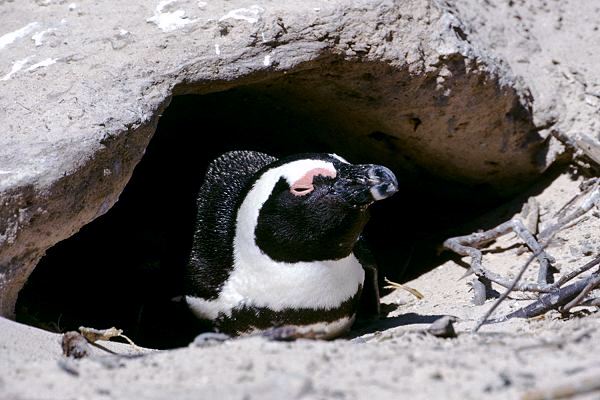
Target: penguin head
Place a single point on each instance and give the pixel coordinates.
(312, 207)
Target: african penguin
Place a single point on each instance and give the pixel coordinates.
(277, 242)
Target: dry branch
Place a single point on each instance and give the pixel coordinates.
(505, 294)
(553, 295)
(591, 189)
(593, 283)
(550, 301)
(467, 246)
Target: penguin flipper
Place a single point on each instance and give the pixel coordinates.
(211, 256)
(369, 305)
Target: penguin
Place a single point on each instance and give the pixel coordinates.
(278, 243)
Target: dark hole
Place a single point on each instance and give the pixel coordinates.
(124, 268)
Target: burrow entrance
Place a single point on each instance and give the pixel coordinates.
(124, 268)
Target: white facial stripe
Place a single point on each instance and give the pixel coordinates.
(339, 158)
(294, 171)
(257, 280)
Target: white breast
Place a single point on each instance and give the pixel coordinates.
(261, 282)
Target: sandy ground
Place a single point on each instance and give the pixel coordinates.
(394, 358)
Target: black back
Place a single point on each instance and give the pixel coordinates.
(221, 194)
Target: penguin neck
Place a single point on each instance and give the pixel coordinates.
(291, 239)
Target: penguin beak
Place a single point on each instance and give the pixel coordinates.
(383, 182)
(366, 183)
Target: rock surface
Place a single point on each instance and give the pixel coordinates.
(83, 84)
(552, 46)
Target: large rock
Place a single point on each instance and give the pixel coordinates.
(553, 47)
(82, 86)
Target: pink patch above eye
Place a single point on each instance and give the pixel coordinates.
(304, 185)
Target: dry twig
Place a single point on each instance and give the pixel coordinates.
(557, 298)
(482, 288)
(467, 246)
(593, 302)
(554, 295)
(591, 189)
(92, 335)
(396, 285)
(593, 283)
(576, 272)
(505, 294)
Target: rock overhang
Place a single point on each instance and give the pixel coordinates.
(85, 86)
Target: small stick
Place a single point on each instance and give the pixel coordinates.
(584, 188)
(538, 251)
(480, 291)
(396, 285)
(562, 211)
(505, 294)
(575, 223)
(567, 277)
(92, 335)
(548, 301)
(594, 302)
(584, 207)
(589, 287)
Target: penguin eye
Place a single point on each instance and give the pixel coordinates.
(301, 189)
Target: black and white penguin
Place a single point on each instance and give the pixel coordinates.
(276, 242)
